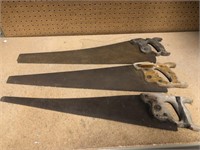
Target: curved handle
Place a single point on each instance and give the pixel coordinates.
(144, 45)
(157, 101)
(149, 70)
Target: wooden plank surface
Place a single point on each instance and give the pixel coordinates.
(23, 127)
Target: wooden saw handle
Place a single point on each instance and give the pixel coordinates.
(157, 103)
(151, 74)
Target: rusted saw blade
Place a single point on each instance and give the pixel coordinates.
(127, 109)
(127, 52)
(125, 78)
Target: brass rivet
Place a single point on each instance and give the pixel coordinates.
(157, 107)
(149, 76)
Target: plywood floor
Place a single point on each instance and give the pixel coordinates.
(23, 127)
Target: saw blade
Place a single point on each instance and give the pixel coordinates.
(120, 53)
(127, 109)
(124, 78)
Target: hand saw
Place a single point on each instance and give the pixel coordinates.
(137, 77)
(128, 52)
(145, 110)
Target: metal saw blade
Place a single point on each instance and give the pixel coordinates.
(128, 109)
(124, 78)
(120, 53)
